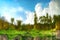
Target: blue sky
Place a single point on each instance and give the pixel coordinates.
(17, 8)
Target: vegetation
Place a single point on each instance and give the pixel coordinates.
(45, 23)
(35, 20)
(46, 26)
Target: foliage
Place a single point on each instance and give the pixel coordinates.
(35, 20)
(19, 26)
(12, 20)
(45, 19)
(27, 33)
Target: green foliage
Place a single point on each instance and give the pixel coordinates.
(12, 20)
(18, 24)
(45, 19)
(56, 18)
(27, 33)
(35, 18)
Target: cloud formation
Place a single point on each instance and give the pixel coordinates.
(53, 8)
(10, 12)
(29, 17)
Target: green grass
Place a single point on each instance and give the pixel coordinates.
(32, 32)
(12, 33)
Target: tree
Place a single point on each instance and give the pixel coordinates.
(45, 19)
(12, 25)
(35, 20)
(42, 19)
(57, 21)
(12, 20)
(3, 23)
(3, 20)
(19, 24)
(47, 15)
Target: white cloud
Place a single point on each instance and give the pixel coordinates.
(40, 11)
(53, 8)
(30, 17)
(20, 9)
(9, 12)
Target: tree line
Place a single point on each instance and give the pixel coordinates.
(45, 22)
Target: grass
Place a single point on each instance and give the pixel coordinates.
(12, 33)
(43, 32)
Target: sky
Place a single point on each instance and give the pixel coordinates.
(24, 9)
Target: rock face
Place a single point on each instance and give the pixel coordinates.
(58, 34)
(27, 38)
(37, 38)
(19, 37)
(43, 38)
(3, 37)
(47, 38)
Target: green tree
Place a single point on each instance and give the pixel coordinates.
(35, 20)
(57, 21)
(19, 24)
(45, 19)
(12, 25)
(3, 20)
(42, 19)
(12, 20)
(47, 15)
